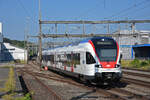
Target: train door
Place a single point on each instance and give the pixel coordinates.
(90, 64)
(76, 61)
(82, 62)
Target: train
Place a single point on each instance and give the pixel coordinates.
(95, 59)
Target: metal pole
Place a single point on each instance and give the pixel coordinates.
(108, 29)
(56, 28)
(32, 49)
(94, 29)
(119, 30)
(27, 49)
(83, 28)
(26, 38)
(66, 29)
(133, 28)
(40, 37)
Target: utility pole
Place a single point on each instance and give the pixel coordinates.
(40, 37)
(119, 30)
(83, 28)
(56, 28)
(108, 29)
(133, 28)
(27, 49)
(26, 54)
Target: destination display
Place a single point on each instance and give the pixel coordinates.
(104, 42)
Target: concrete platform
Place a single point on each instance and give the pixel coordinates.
(4, 74)
(3, 78)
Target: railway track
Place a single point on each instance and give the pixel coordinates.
(137, 82)
(114, 93)
(138, 77)
(53, 95)
(105, 92)
(135, 69)
(69, 81)
(136, 74)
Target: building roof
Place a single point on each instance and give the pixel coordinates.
(139, 45)
(8, 46)
(142, 45)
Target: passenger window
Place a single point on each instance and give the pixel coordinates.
(89, 58)
(76, 58)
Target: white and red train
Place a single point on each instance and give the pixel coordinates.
(96, 59)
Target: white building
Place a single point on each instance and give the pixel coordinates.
(1, 37)
(13, 53)
(1, 41)
(9, 52)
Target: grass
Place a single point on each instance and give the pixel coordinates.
(10, 86)
(18, 61)
(10, 83)
(139, 64)
(26, 97)
(5, 66)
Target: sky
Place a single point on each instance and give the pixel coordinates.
(20, 17)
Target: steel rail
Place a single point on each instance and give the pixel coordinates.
(102, 91)
(131, 94)
(136, 69)
(137, 82)
(136, 74)
(54, 94)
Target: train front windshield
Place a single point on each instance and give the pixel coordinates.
(106, 49)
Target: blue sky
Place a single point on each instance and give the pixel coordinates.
(19, 16)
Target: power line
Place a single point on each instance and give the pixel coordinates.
(89, 10)
(127, 9)
(21, 4)
(26, 11)
(137, 10)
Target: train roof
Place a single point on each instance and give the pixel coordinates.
(95, 38)
(79, 42)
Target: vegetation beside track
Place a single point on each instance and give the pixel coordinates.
(139, 64)
(10, 87)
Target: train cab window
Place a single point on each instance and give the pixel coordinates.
(52, 58)
(89, 58)
(76, 58)
(48, 57)
(43, 57)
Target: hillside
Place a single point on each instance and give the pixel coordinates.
(14, 42)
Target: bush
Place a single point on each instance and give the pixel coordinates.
(17, 61)
(148, 61)
(26, 97)
(135, 63)
(144, 63)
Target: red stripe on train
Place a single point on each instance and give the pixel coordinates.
(64, 67)
(94, 50)
(106, 64)
(72, 69)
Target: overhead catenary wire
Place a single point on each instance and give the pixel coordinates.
(89, 10)
(26, 11)
(128, 9)
(137, 10)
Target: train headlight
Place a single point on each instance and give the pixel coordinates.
(117, 65)
(98, 66)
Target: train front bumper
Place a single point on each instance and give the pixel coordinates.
(108, 73)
